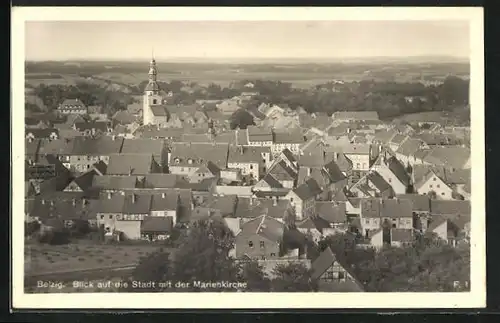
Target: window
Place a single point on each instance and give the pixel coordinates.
(434, 179)
(250, 244)
(154, 101)
(341, 275)
(110, 216)
(262, 244)
(437, 185)
(442, 193)
(430, 186)
(251, 166)
(263, 257)
(273, 254)
(357, 165)
(102, 217)
(291, 200)
(329, 275)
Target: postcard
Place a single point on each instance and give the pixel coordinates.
(248, 158)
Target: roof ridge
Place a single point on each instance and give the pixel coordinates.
(261, 222)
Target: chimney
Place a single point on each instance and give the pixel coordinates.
(52, 203)
(133, 198)
(275, 201)
(43, 202)
(241, 150)
(84, 202)
(308, 171)
(74, 202)
(130, 171)
(113, 137)
(109, 195)
(251, 200)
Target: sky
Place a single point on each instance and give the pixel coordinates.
(135, 40)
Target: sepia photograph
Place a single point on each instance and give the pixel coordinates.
(175, 156)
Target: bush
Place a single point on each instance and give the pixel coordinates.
(54, 237)
(31, 228)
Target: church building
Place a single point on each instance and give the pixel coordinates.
(154, 112)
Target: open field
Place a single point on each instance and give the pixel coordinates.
(47, 259)
(458, 116)
(300, 75)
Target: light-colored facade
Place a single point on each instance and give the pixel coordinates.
(151, 98)
(360, 162)
(277, 147)
(434, 184)
(247, 168)
(303, 208)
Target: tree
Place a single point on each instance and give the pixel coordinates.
(257, 280)
(31, 228)
(155, 268)
(241, 119)
(429, 265)
(344, 247)
(292, 277)
(204, 253)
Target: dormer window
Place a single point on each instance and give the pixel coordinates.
(154, 101)
(190, 161)
(177, 160)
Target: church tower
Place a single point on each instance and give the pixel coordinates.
(151, 94)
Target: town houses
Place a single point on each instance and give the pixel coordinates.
(355, 174)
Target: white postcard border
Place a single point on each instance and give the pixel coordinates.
(474, 299)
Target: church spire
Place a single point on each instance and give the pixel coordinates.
(152, 84)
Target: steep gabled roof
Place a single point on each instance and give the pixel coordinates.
(85, 180)
(334, 172)
(156, 224)
(378, 181)
(130, 164)
(332, 212)
(420, 203)
(271, 181)
(289, 155)
(109, 182)
(282, 172)
(137, 204)
(399, 170)
(450, 207)
(304, 192)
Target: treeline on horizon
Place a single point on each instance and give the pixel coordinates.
(390, 99)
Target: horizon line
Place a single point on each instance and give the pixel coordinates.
(249, 59)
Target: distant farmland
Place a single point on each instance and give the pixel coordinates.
(300, 75)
